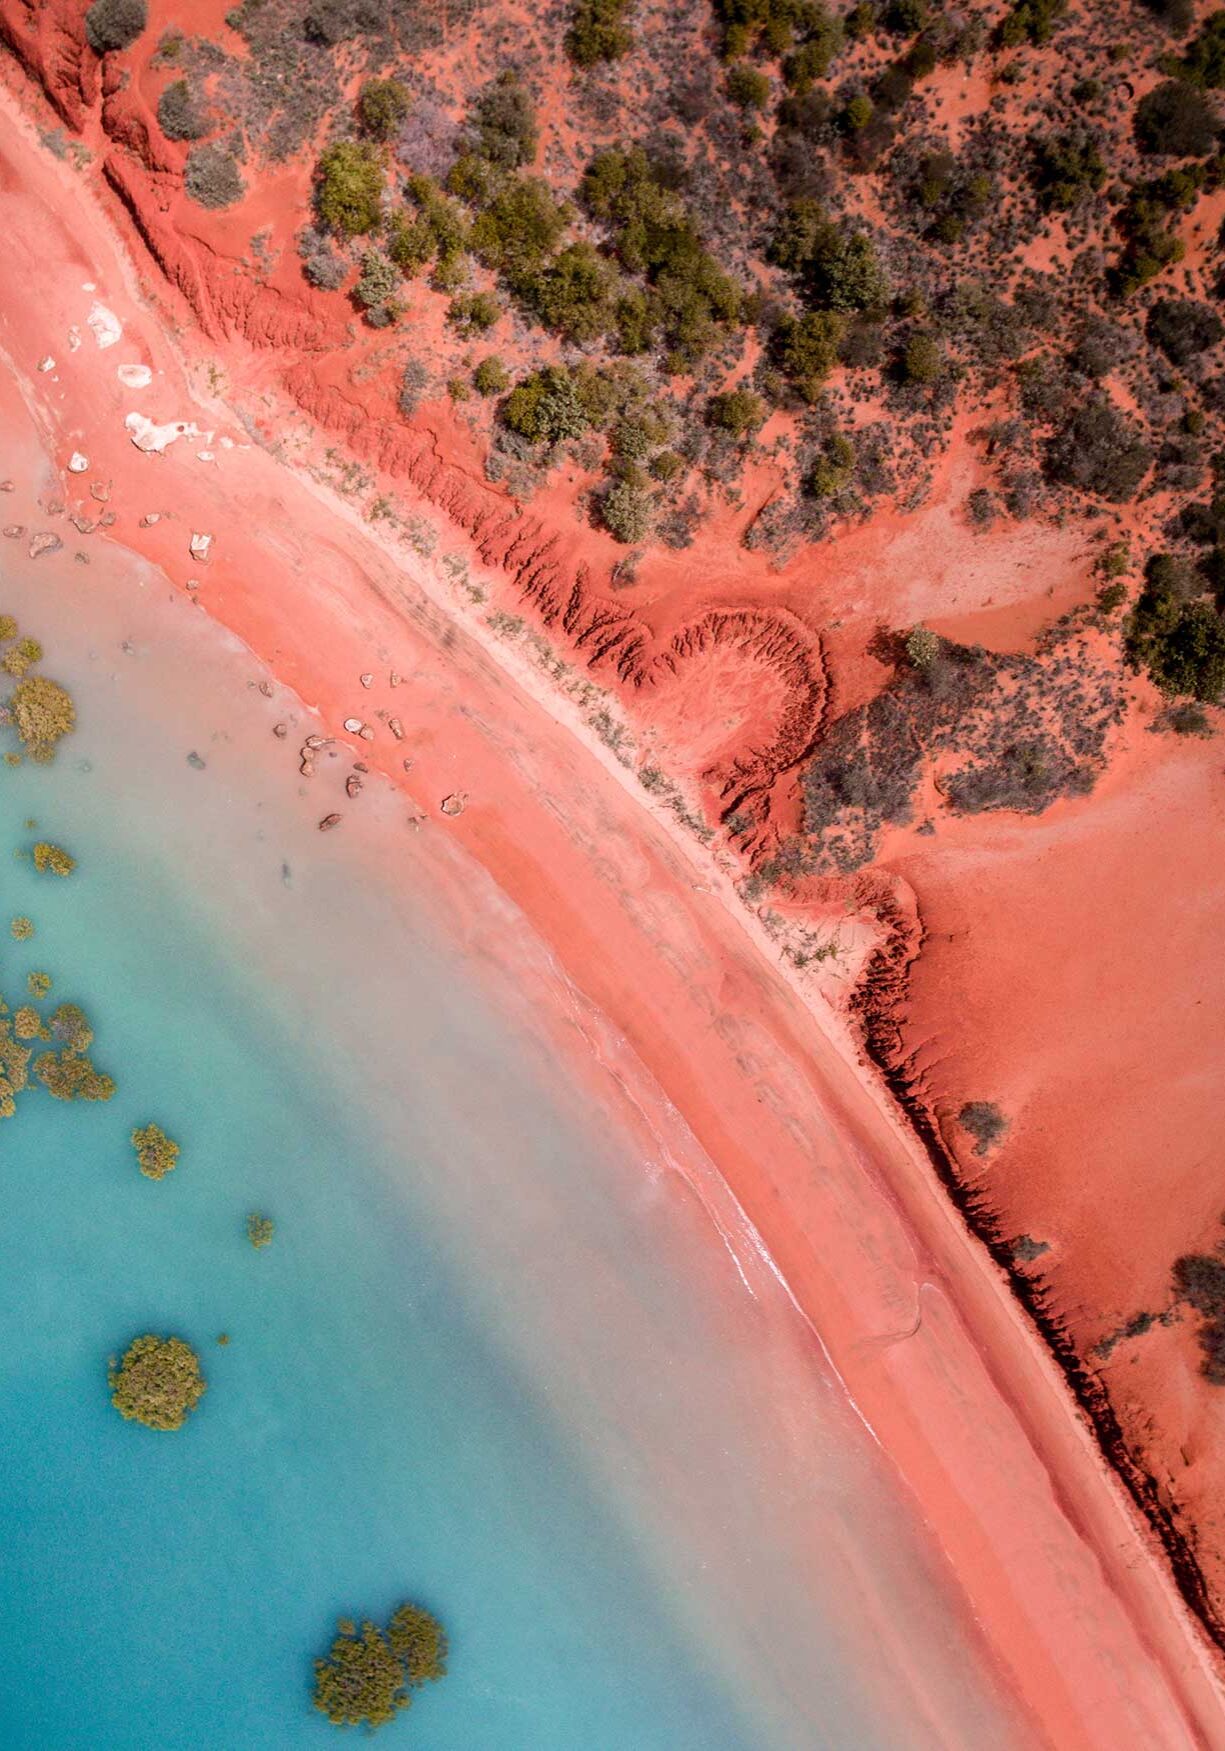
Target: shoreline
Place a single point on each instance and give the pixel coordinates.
(756, 1074)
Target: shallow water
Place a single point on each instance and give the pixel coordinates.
(498, 1358)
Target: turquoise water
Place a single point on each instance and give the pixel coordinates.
(492, 1360)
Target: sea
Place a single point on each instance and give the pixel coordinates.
(498, 1359)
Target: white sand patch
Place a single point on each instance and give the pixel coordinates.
(155, 439)
(135, 376)
(105, 324)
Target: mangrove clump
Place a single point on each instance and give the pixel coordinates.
(156, 1153)
(158, 1383)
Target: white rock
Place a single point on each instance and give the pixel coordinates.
(201, 546)
(135, 376)
(77, 464)
(47, 364)
(88, 286)
(353, 725)
(205, 456)
(106, 325)
(152, 438)
(74, 339)
(227, 443)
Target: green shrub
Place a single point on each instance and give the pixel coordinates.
(738, 411)
(545, 408)
(180, 114)
(807, 349)
(43, 713)
(211, 177)
(490, 377)
(1179, 641)
(858, 113)
(1068, 166)
(811, 61)
(572, 294)
(1099, 450)
(114, 24)
(1204, 62)
(474, 313)
(923, 646)
(922, 360)
(520, 227)
(839, 270)
(906, 17)
(158, 1383)
(1183, 329)
(504, 122)
(439, 232)
(156, 1153)
(349, 188)
(377, 284)
(1176, 120)
(599, 32)
(627, 512)
(834, 468)
(747, 87)
(382, 106)
(1031, 21)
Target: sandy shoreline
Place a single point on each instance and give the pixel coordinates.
(1068, 1594)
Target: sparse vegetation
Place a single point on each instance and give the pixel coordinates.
(599, 31)
(349, 188)
(180, 114)
(382, 106)
(985, 1123)
(212, 177)
(114, 24)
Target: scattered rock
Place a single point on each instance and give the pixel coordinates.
(408, 764)
(328, 822)
(205, 456)
(280, 730)
(81, 558)
(353, 725)
(396, 728)
(77, 464)
(306, 766)
(54, 508)
(394, 680)
(193, 759)
(150, 518)
(360, 766)
(353, 785)
(154, 439)
(201, 546)
(47, 363)
(74, 338)
(193, 583)
(366, 680)
(6, 486)
(455, 804)
(366, 733)
(14, 531)
(82, 525)
(135, 376)
(106, 326)
(265, 688)
(44, 542)
(317, 742)
(106, 520)
(100, 490)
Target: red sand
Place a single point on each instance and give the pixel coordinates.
(1064, 1584)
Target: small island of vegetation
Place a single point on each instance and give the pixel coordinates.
(156, 1153)
(369, 1675)
(158, 1383)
